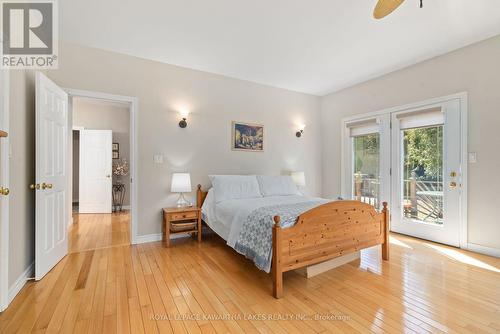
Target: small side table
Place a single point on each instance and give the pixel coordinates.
(185, 215)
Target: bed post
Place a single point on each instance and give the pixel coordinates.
(198, 196)
(276, 265)
(385, 245)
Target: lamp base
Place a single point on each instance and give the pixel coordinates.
(182, 201)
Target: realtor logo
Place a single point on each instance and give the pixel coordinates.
(29, 34)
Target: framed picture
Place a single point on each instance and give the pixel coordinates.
(247, 137)
(116, 155)
(116, 147)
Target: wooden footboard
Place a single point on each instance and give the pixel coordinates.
(325, 232)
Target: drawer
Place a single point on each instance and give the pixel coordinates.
(184, 215)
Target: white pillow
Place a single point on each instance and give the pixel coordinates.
(228, 187)
(277, 185)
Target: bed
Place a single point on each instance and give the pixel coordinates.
(280, 229)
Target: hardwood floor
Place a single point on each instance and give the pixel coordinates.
(93, 231)
(425, 287)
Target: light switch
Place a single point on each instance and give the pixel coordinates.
(158, 159)
(472, 157)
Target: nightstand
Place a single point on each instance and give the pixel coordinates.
(181, 220)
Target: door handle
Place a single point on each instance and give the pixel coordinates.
(46, 185)
(34, 186)
(453, 184)
(4, 191)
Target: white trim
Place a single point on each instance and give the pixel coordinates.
(4, 207)
(463, 98)
(21, 281)
(491, 251)
(134, 147)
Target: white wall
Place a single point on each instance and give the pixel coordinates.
(474, 69)
(202, 148)
(103, 115)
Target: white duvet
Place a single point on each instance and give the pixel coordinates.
(233, 213)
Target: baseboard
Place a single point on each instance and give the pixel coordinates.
(142, 239)
(491, 251)
(21, 281)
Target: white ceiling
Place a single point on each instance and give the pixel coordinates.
(310, 46)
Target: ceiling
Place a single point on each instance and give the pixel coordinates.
(310, 46)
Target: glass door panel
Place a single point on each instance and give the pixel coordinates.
(422, 174)
(366, 169)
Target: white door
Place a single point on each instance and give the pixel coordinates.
(426, 172)
(95, 171)
(4, 182)
(366, 168)
(51, 243)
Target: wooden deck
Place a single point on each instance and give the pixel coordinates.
(425, 287)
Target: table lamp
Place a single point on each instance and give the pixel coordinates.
(181, 183)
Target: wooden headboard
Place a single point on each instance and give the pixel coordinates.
(200, 196)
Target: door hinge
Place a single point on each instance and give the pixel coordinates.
(390, 171)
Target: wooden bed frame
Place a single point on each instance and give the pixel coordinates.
(328, 231)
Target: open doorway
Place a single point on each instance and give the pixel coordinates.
(101, 182)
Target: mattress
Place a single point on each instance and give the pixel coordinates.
(227, 217)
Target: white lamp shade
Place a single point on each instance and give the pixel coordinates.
(181, 183)
(299, 178)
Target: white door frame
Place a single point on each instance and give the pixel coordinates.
(463, 98)
(4, 181)
(133, 109)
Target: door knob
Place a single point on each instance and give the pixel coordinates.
(453, 174)
(45, 186)
(49, 185)
(453, 184)
(4, 191)
(34, 186)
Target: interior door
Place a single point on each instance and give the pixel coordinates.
(4, 182)
(95, 171)
(426, 176)
(51, 242)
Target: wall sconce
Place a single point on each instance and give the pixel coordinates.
(300, 131)
(183, 122)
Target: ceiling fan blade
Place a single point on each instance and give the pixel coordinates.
(385, 7)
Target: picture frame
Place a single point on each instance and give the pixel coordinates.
(247, 137)
(116, 147)
(116, 155)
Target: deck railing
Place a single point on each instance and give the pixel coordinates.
(418, 201)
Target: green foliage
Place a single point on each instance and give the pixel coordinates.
(424, 152)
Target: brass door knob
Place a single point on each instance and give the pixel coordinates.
(49, 185)
(4, 191)
(453, 184)
(44, 185)
(34, 186)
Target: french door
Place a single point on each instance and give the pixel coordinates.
(426, 178)
(412, 158)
